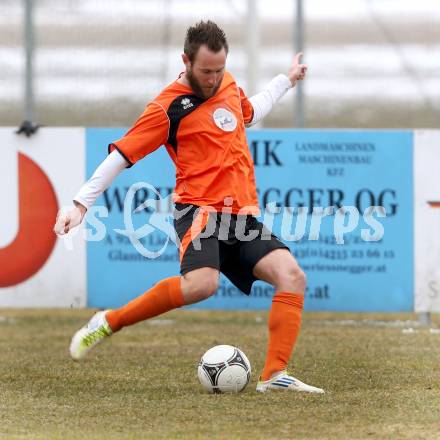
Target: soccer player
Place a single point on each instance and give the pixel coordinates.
(200, 118)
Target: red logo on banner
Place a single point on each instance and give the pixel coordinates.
(35, 239)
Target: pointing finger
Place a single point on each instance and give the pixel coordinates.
(298, 57)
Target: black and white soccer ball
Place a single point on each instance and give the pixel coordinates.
(224, 369)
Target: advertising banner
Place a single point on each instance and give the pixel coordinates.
(356, 259)
(38, 175)
(427, 220)
(117, 271)
(341, 200)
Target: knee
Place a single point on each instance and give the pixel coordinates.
(197, 290)
(293, 279)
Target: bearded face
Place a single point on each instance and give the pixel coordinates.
(205, 73)
(199, 89)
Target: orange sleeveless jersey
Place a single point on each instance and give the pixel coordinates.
(206, 140)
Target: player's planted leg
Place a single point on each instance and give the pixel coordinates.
(284, 381)
(281, 270)
(284, 326)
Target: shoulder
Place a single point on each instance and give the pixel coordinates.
(171, 94)
(229, 86)
(228, 79)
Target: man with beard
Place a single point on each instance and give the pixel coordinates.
(200, 118)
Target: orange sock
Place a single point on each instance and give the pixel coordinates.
(162, 297)
(284, 324)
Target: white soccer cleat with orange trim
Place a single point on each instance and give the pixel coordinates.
(283, 381)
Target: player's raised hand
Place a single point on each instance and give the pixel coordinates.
(68, 219)
(297, 70)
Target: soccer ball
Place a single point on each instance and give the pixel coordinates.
(224, 369)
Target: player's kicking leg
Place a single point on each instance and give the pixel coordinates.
(166, 295)
(93, 333)
(280, 269)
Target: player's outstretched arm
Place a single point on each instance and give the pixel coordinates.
(264, 101)
(102, 178)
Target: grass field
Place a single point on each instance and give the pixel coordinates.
(381, 382)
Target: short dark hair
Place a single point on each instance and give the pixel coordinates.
(204, 32)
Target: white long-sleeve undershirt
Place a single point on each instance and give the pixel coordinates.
(102, 178)
(263, 102)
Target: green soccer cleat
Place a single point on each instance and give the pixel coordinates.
(93, 333)
(283, 381)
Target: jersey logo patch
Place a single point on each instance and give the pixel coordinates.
(186, 103)
(225, 120)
